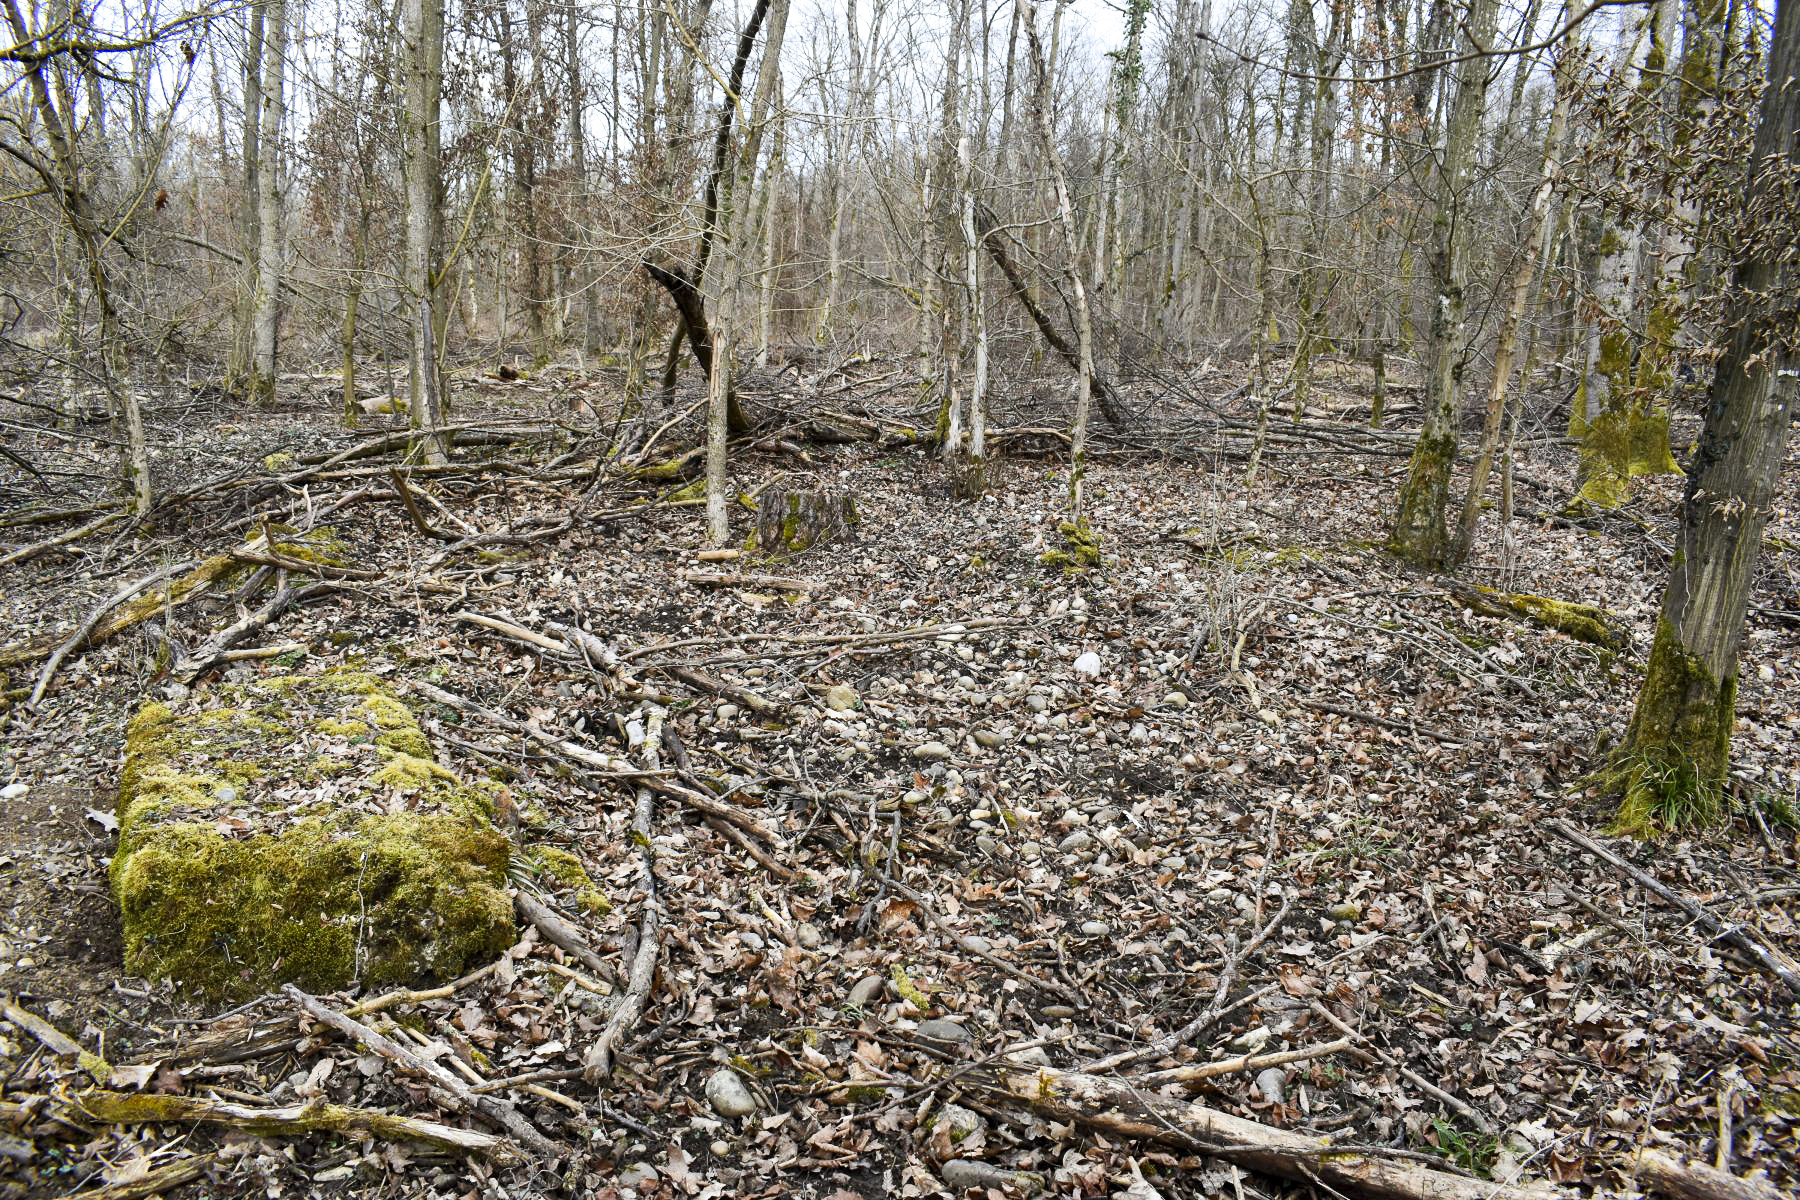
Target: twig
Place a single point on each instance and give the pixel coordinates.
(1244, 1062)
(1168, 1043)
(292, 1120)
(779, 583)
(448, 1089)
(600, 1056)
(1050, 985)
(562, 935)
(1735, 934)
(1474, 1116)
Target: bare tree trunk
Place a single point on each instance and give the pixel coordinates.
(1673, 761)
(259, 385)
(1084, 328)
(241, 358)
(581, 274)
(1419, 533)
(1506, 347)
(423, 31)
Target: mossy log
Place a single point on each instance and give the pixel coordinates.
(297, 829)
(790, 522)
(158, 594)
(1583, 622)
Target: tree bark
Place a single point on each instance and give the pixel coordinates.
(423, 23)
(1679, 740)
(259, 383)
(1419, 533)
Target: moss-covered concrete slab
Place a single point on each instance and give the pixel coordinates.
(297, 829)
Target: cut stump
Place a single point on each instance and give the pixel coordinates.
(790, 522)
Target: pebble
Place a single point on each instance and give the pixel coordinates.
(225, 794)
(1037, 702)
(1347, 911)
(978, 944)
(728, 1095)
(726, 712)
(931, 751)
(941, 1030)
(1175, 700)
(867, 990)
(840, 698)
(1057, 1012)
(959, 1123)
(1030, 850)
(1271, 1084)
(719, 1147)
(14, 791)
(636, 1175)
(1088, 665)
(987, 738)
(1081, 839)
(1095, 929)
(808, 935)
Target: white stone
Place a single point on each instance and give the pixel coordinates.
(728, 1095)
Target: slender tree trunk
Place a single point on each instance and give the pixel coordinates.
(423, 25)
(68, 185)
(581, 274)
(1419, 533)
(1084, 328)
(1677, 750)
(241, 358)
(1506, 347)
(259, 386)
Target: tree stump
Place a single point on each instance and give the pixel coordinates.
(969, 477)
(790, 522)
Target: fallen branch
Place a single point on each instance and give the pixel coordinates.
(153, 1183)
(447, 1089)
(218, 648)
(27, 553)
(605, 765)
(1788, 974)
(291, 1120)
(1117, 1107)
(55, 1040)
(1659, 1172)
(780, 583)
(1455, 1104)
(411, 504)
(562, 935)
(1195, 1073)
(598, 1064)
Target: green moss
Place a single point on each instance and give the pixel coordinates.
(909, 991)
(1669, 772)
(1080, 551)
(277, 463)
(1583, 622)
(305, 870)
(564, 871)
(1420, 536)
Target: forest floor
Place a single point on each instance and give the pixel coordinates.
(1282, 735)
